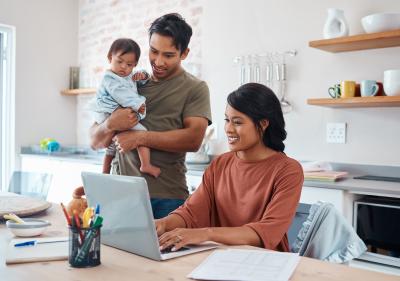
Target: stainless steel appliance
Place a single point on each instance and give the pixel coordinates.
(377, 222)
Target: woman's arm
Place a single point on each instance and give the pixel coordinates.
(180, 237)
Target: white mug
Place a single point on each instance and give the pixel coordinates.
(391, 82)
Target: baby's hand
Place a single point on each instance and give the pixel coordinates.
(139, 76)
(142, 109)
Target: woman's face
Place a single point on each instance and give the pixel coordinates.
(242, 133)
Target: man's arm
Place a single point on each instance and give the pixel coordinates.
(181, 140)
(120, 120)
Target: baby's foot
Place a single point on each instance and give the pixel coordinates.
(151, 170)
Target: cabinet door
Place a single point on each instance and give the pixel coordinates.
(66, 174)
(341, 199)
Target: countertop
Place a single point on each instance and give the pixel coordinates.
(367, 187)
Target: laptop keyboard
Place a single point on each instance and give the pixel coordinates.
(168, 250)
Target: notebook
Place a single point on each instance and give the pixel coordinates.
(56, 250)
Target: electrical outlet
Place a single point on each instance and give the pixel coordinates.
(336, 132)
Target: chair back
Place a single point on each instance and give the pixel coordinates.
(302, 212)
(32, 184)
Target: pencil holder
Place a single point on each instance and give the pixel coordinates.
(84, 246)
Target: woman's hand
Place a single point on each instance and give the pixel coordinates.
(161, 226)
(129, 140)
(180, 237)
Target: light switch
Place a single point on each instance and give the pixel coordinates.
(336, 132)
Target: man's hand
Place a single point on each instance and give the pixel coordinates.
(129, 140)
(180, 237)
(122, 119)
(142, 109)
(139, 76)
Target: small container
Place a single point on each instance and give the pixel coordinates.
(30, 227)
(84, 253)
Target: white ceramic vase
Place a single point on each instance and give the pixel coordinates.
(336, 24)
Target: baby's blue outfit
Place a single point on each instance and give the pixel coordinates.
(114, 92)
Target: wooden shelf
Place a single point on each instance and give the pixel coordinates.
(380, 101)
(75, 92)
(359, 42)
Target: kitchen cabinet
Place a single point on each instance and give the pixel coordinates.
(66, 174)
(355, 43)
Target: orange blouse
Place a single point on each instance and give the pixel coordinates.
(262, 195)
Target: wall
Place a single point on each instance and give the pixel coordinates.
(231, 28)
(46, 45)
(259, 26)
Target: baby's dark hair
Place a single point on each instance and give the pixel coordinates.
(124, 46)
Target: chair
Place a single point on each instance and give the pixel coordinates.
(30, 184)
(302, 212)
(326, 235)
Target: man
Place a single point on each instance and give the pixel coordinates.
(178, 113)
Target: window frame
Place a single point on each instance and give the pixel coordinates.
(7, 103)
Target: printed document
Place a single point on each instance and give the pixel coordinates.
(246, 265)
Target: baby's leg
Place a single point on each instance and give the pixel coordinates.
(146, 166)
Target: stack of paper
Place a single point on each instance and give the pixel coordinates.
(326, 176)
(246, 265)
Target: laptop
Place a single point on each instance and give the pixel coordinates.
(128, 218)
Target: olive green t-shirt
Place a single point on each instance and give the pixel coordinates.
(168, 103)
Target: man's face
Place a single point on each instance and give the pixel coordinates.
(165, 58)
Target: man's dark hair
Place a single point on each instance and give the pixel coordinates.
(124, 46)
(174, 26)
(259, 103)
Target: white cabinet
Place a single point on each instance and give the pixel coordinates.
(341, 199)
(66, 174)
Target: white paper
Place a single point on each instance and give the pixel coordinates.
(246, 265)
(316, 166)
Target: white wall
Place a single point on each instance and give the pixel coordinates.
(232, 28)
(46, 45)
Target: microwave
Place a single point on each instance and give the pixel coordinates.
(377, 222)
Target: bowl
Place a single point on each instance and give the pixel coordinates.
(31, 227)
(381, 22)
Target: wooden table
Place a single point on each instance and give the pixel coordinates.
(120, 265)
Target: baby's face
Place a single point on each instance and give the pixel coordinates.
(122, 65)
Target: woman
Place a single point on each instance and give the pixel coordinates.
(249, 195)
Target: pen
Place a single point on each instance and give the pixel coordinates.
(34, 242)
(66, 214)
(97, 212)
(78, 225)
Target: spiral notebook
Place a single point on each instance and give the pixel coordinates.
(46, 249)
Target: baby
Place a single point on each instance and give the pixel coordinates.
(119, 89)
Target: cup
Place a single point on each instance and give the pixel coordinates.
(348, 89)
(369, 88)
(334, 91)
(74, 77)
(84, 253)
(391, 82)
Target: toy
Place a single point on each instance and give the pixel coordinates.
(49, 144)
(78, 202)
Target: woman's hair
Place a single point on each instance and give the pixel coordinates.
(174, 26)
(260, 103)
(124, 46)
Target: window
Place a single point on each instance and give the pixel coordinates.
(7, 103)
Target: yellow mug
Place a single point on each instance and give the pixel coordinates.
(348, 89)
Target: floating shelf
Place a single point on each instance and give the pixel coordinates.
(380, 101)
(75, 92)
(359, 42)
